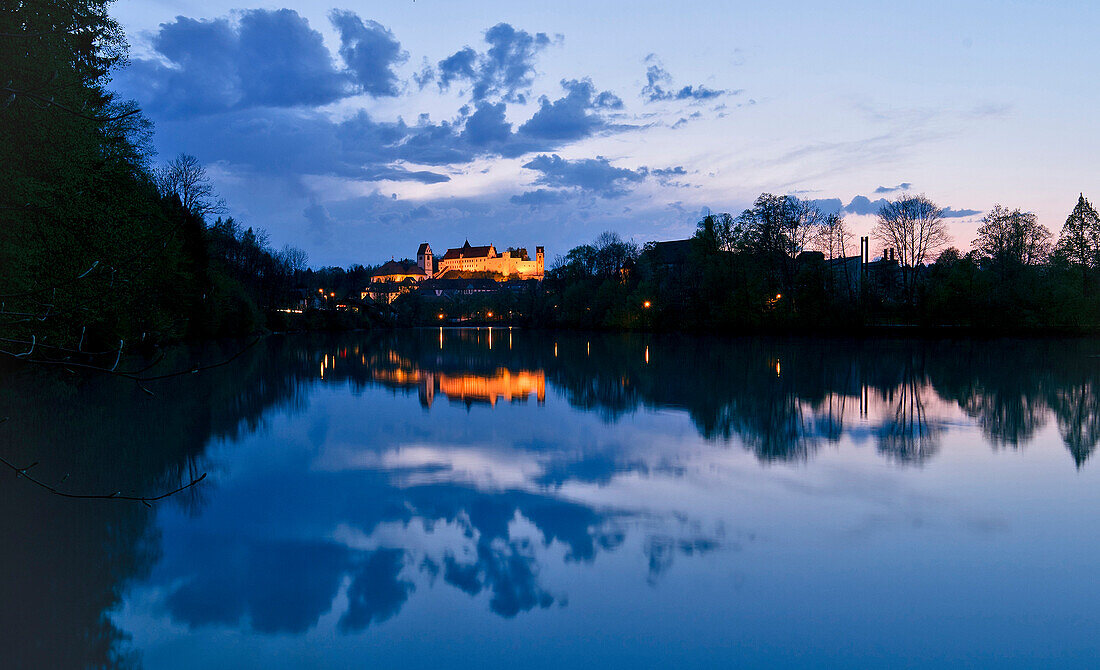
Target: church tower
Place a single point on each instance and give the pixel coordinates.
(540, 260)
(424, 260)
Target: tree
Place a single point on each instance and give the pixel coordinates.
(833, 237)
(1012, 239)
(186, 178)
(1079, 242)
(611, 252)
(293, 259)
(776, 229)
(913, 226)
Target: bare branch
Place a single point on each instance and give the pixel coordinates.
(145, 500)
(50, 102)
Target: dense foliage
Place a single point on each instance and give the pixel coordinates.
(783, 265)
(97, 247)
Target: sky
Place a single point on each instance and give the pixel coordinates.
(357, 133)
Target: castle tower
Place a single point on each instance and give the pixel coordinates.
(425, 261)
(540, 260)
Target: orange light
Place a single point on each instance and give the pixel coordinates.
(778, 296)
(646, 304)
(441, 316)
(490, 315)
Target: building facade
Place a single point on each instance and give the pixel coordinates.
(468, 258)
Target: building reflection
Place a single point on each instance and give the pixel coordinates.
(780, 400)
(503, 385)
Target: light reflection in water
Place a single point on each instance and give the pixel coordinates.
(694, 491)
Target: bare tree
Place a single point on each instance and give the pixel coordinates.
(185, 177)
(293, 258)
(803, 220)
(833, 237)
(913, 226)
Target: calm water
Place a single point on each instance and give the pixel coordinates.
(438, 499)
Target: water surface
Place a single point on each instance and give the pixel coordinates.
(512, 499)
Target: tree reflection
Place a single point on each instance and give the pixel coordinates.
(906, 435)
(70, 561)
(1077, 410)
(781, 400)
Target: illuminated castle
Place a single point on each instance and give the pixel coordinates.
(467, 258)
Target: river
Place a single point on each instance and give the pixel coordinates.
(475, 498)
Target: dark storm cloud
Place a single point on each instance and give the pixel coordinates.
(269, 58)
(506, 69)
(370, 51)
(659, 86)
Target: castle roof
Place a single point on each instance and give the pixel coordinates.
(398, 268)
(424, 246)
(467, 251)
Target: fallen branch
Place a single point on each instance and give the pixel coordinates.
(145, 500)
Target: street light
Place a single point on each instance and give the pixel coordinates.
(647, 304)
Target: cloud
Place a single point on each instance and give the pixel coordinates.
(267, 58)
(540, 198)
(506, 69)
(658, 78)
(862, 205)
(376, 593)
(249, 94)
(370, 51)
(487, 125)
(595, 175)
(667, 176)
(460, 65)
(270, 58)
(828, 205)
(573, 116)
(903, 186)
(295, 144)
(230, 581)
(950, 213)
(320, 222)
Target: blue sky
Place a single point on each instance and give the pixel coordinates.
(357, 133)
